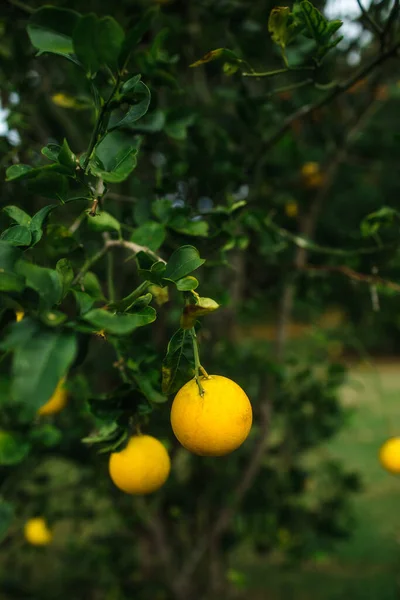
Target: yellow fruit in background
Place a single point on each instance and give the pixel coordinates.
(310, 168)
(291, 209)
(213, 424)
(57, 402)
(389, 455)
(312, 175)
(37, 532)
(19, 315)
(142, 467)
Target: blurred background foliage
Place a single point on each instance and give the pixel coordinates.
(300, 233)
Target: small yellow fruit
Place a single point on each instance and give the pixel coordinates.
(19, 315)
(140, 468)
(312, 175)
(310, 168)
(37, 533)
(291, 209)
(213, 424)
(389, 455)
(57, 402)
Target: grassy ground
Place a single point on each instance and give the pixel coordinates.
(367, 567)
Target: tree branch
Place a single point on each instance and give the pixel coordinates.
(339, 89)
(369, 279)
(374, 25)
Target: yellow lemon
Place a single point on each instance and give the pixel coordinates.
(389, 455)
(57, 402)
(215, 423)
(141, 467)
(19, 315)
(310, 168)
(291, 209)
(37, 532)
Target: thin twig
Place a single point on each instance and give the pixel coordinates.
(354, 275)
(374, 25)
(390, 20)
(339, 89)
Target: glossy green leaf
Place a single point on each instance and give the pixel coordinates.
(17, 172)
(66, 275)
(38, 221)
(140, 94)
(85, 42)
(178, 364)
(13, 448)
(18, 215)
(182, 262)
(10, 282)
(103, 221)
(124, 163)
(187, 284)
(50, 29)
(44, 281)
(182, 224)
(18, 235)
(6, 517)
(110, 38)
(39, 364)
(120, 324)
(66, 157)
(84, 301)
(51, 151)
(91, 285)
(150, 235)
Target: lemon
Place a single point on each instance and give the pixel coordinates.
(310, 168)
(142, 467)
(389, 455)
(215, 423)
(19, 315)
(57, 402)
(37, 532)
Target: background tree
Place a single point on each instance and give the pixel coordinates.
(250, 162)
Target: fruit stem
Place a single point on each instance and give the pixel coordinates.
(206, 375)
(197, 365)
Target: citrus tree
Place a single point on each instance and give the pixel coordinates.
(153, 201)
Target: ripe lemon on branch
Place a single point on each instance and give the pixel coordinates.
(213, 418)
(57, 402)
(389, 455)
(141, 467)
(37, 532)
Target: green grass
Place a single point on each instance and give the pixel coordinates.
(367, 566)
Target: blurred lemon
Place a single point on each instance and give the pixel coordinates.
(312, 175)
(389, 455)
(291, 209)
(37, 532)
(57, 402)
(19, 315)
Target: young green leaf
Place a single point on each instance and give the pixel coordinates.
(103, 221)
(119, 324)
(187, 284)
(18, 235)
(182, 262)
(17, 172)
(66, 157)
(18, 215)
(50, 29)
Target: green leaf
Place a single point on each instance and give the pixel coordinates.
(182, 262)
(85, 43)
(103, 221)
(146, 386)
(318, 27)
(91, 285)
(84, 301)
(51, 151)
(8, 255)
(139, 93)
(156, 272)
(17, 172)
(187, 284)
(120, 324)
(49, 183)
(150, 234)
(178, 365)
(191, 312)
(106, 433)
(282, 27)
(66, 275)
(18, 235)
(42, 356)
(18, 215)
(182, 224)
(13, 448)
(10, 282)
(130, 84)
(135, 35)
(66, 157)
(50, 29)
(124, 163)
(46, 435)
(110, 38)
(37, 222)
(44, 281)
(214, 55)
(6, 517)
